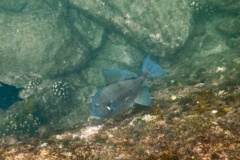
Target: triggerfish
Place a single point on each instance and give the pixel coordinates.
(123, 89)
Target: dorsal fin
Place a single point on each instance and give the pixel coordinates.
(112, 75)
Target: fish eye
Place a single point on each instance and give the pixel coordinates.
(109, 108)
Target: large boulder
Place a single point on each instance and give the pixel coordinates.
(35, 44)
(40, 40)
(157, 27)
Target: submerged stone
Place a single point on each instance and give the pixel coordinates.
(157, 27)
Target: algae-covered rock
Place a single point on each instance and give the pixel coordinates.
(39, 46)
(89, 31)
(231, 121)
(158, 27)
(115, 53)
(41, 42)
(229, 26)
(35, 44)
(227, 5)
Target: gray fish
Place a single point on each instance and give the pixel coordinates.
(123, 89)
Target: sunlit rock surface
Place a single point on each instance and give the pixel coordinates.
(35, 43)
(158, 27)
(41, 39)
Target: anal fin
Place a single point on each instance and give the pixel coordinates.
(143, 97)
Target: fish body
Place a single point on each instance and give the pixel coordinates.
(123, 89)
(8, 95)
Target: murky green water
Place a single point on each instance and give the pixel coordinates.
(56, 50)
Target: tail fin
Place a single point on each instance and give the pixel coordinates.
(151, 69)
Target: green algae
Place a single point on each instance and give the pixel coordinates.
(157, 110)
(29, 106)
(205, 101)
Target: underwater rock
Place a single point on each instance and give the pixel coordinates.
(38, 41)
(231, 121)
(8, 95)
(13, 6)
(115, 53)
(229, 26)
(209, 42)
(227, 5)
(91, 32)
(233, 42)
(156, 27)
